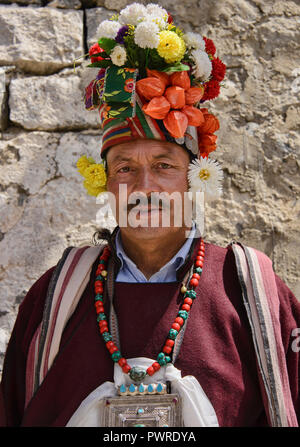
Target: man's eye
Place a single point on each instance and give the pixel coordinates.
(124, 169)
(164, 165)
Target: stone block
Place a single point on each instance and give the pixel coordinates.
(50, 103)
(40, 40)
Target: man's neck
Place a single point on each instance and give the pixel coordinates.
(150, 255)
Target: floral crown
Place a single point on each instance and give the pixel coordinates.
(152, 80)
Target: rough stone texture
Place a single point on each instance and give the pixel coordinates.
(40, 40)
(43, 207)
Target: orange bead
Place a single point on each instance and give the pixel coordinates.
(176, 326)
(188, 301)
(196, 275)
(126, 368)
(156, 366)
(122, 362)
(194, 282)
(150, 371)
(180, 321)
(199, 264)
(170, 342)
(167, 349)
(186, 307)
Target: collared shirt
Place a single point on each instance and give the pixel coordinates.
(129, 272)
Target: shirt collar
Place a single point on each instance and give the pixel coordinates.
(177, 260)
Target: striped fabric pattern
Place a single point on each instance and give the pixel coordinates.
(66, 287)
(261, 301)
(120, 130)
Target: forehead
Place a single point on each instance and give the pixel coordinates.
(151, 149)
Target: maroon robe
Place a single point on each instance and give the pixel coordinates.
(217, 347)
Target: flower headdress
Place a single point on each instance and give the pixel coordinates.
(153, 79)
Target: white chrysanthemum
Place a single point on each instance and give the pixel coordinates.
(206, 176)
(132, 14)
(194, 41)
(108, 29)
(146, 35)
(203, 66)
(118, 55)
(157, 11)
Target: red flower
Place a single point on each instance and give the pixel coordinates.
(170, 18)
(218, 69)
(212, 90)
(95, 49)
(209, 46)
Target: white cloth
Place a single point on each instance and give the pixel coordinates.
(197, 411)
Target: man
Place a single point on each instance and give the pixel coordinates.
(157, 305)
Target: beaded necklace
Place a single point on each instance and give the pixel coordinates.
(164, 357)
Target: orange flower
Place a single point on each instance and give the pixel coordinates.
(129, 85)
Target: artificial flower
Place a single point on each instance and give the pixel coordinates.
(211, 90)
(202, 68)
(83, 163)
(118, 55)
(209, 46)
(194, 41)
(218, 69)
(171, 47)
(206, 176)
(93, 191)
(95, 49)
(108, 29)
(132, 14)
(157, 11)
(129, 85)
(146, 35)
(95, 175)
(121, 34)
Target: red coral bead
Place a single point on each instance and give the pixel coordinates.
(167, 349)
(103, 329)
(150, 371)
(194, 282)
(109, 344)
(176, 326)
(199, 264)
(188, 301)
(122, 362)
(180, 321)
(196, 275)
(99, 310)
(101, 267)
(186, 307)
(170, 342)
(126, 368)
(199, 258)
(113, 349)
(156, 366)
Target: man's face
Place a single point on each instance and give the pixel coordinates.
(143, 167)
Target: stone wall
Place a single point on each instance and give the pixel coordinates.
(45, 128)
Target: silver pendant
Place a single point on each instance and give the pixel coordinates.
(142, 411)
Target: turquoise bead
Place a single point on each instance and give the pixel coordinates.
(132, 388)
(159, 388)
(116, 356)
(183, 314)
(122, 388)
(141, 388)
(102, 316)
(106, 336)
(198, 270)
(101, 261)
(168, 359)
(161, 359)
(191, 294)
(150, 389)
(99, 278)
(173, 334)
(99, 297)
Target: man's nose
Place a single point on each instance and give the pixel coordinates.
(146, 181)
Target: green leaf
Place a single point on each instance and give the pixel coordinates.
(107, 44)
(101, 64)
(115, 92)
(176, 67)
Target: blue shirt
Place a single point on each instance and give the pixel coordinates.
(129, 272)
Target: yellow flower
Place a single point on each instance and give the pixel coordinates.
(95, 175)
(171, 47)
(83, 163)
(92, 191)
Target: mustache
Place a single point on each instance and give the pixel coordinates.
(147, 203)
